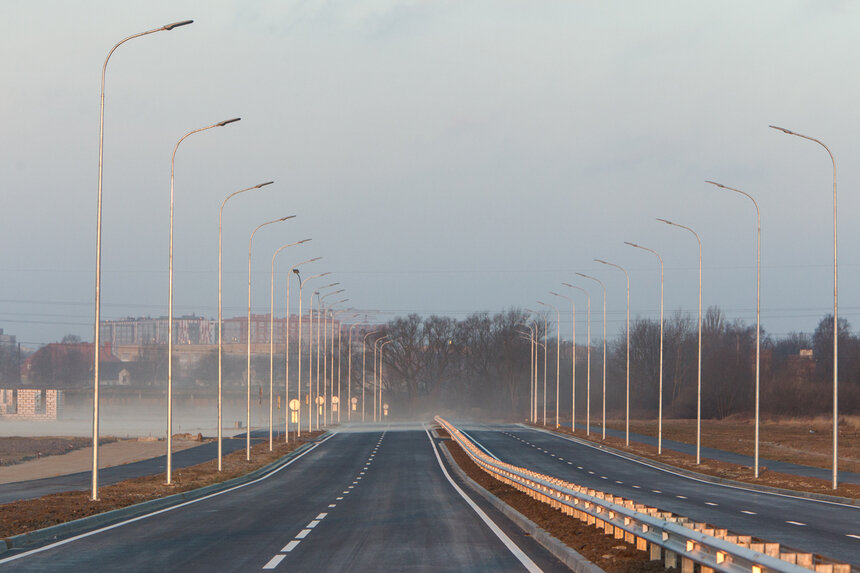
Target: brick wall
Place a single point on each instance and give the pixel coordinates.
(29, 404)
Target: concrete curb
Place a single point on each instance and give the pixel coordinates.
(562, 552)
(70, 528)
(702, 477)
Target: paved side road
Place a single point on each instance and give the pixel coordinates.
(360, 501)
(831, 529)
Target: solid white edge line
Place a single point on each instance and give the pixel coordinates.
(274, 562)
(480, 445)
(798, 498)
(165, 510)
(512, 547)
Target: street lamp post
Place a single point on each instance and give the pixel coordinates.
(557, 355)
(604, 347)
(363, 369)
(587, 361)
(381, 346)
(220, 320)
(170, 304)
(272, 337)
(321, 317)
(757, 314)
(573, 360)
(338, 355)
(295, 270)
(329, 386)
(627, 390)
(301, 328)
(545, 332)
(349, 371)
(376, 377)
(835, 311)
(660, 376)
(248, 369)
(699, 376)
(96, 343)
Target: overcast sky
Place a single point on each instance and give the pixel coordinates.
(444, 156)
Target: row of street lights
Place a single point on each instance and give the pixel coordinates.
(534, 337)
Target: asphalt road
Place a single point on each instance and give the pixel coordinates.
(826, 528)
(359, 501)
(30, 489)
(732, 457)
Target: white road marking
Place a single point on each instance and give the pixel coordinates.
(512, 547)
(290, 546)
(359, 477)
(322, 516)
(303, 533)
(345, 492)
(637, 487)
(313, 524)
(603, 477)
(579, 467)
(592, 473)
(332, 505)
(350, 487)
(656, 491)
(570, 463)
(795, 523)
(852, 535)
(681, 496)
(616, 481)
(338, 498)
(274, 561)
(711, 503)
(166, 509)
(361, 473)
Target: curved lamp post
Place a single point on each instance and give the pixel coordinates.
(627, 390)
(660, 376)
(329, 312)
(587, 364)
(757, 313)
(381, 346)
(604, 346)
(295, 270)
(835, 310)
(96, 343)
(322, 317)
(545, 332)
(557, 355)
(349, 371)
(272, 336)
(699, 376)
(170, 303)
(301, 328)
(248, 369)
(220, 320)
(573, 358)
(376, 377)
(364, 369)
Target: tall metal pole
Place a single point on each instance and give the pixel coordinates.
(835, 312)
(699, 376)
(98, 297)
(557, 356)
(587, 359)
(328, 388)
(627, 387)
(757, 313)
(248, 369)
(272, 338)
(295, 270)
(573, 360)
(349, 371)
(364, 370)
(375, 377)
(170, 305)
(381, 346)
(660, 377)
(604, 348)
(301, 328)
(220, 320)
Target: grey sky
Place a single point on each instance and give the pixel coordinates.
(445, 157)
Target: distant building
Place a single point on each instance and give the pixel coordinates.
(29, 404)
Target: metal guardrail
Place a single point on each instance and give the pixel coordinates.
(664, 533)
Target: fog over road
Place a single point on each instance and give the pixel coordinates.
(362, 500)
(830, 529)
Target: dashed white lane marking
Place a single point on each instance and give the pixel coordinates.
(290, 546)
(355, 483)
(852, 535)
(616, 481)
(603, 477)
(656, 491)
(338, 498)
(332, 505)
(303, 533)
(592, 473)
(313, 524)
(795, 523)
(579, 467)
(681, 496)
(322, 516)
(748, 512)
(570, 463)
(711, 503)
(637, 487)
(274, 561)
(345, 492)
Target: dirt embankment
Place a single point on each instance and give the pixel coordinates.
(16, 449)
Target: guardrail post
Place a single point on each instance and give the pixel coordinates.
(670, 559)
(656, 552)
(686, 565)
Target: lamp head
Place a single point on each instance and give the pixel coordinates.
(632, 244)
(227, 121)
(600, 261)
(303, 241)
(177, 24)
(782, 129)
(263, 184)
(665, 221)
(717, 184)
(296, 271)
(287, 217)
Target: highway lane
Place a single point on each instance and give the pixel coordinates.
(360, 501)
(30, 489)
(826, 528)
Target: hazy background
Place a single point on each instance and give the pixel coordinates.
(445, 157)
